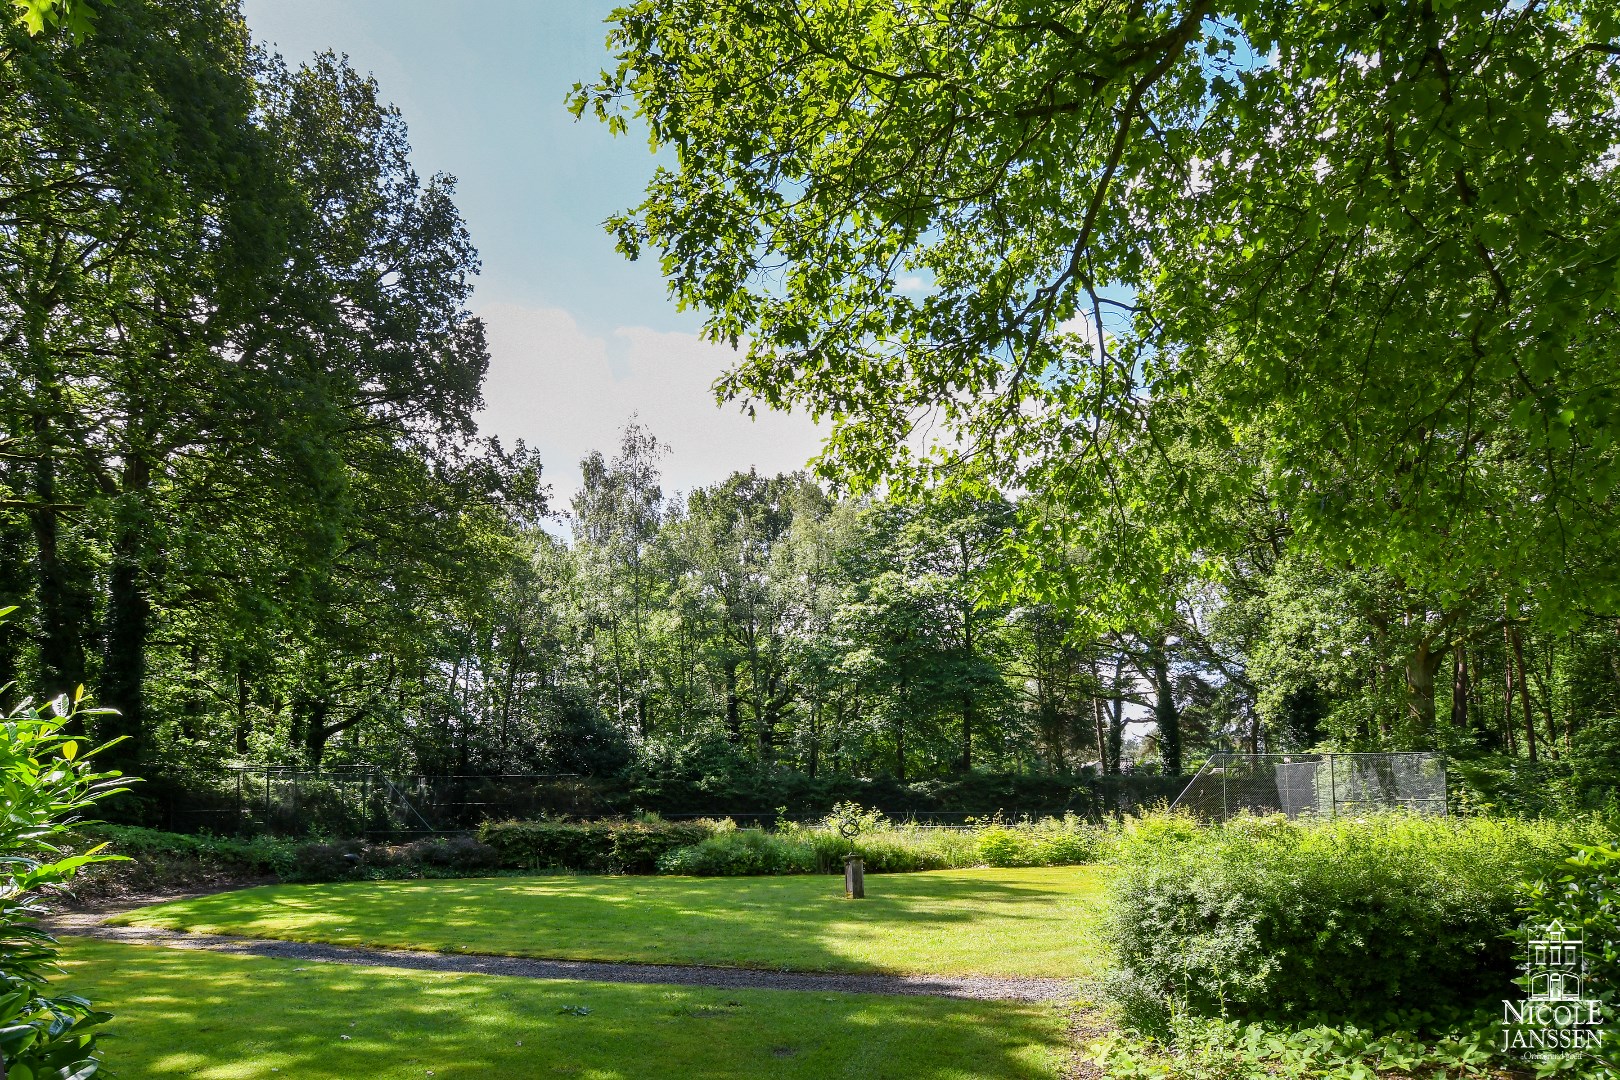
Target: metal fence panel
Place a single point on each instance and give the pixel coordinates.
(1328, 785)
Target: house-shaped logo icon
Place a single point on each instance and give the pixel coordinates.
(1555, 964)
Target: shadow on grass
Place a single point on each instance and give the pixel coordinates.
(993, 922)
(223, 1018)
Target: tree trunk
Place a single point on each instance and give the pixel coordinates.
(316, 732)
(733, 705)
(900, 747)
(967, 732)
(967, 669)
(1116, 720)
(1101, 725)
(129, 616)
(62, 608)
(1165, 713)
(242, 701)
(1459, 689)
(1524, 691)
(1422, 665)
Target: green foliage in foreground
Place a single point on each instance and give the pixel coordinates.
(46, 780)
(1344, 920)
(1038, 922)
(1210, 1049)
(182, 1015)
(1587, 896)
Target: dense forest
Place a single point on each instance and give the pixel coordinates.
(244, 499)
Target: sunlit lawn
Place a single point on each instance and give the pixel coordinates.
(949, 922)
(181, 1013)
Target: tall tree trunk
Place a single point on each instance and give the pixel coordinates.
(242, 701)
(1100, 723)
(1524, 691)
(966, 764)
(1422, 665)
(733, 704)
(1459, 688)
(1165, 714)
(316, 732)
(63, 608)
(1508, 736)
(815, 736)
(967, 669)
(900, 745)
(129, 616)
(1116, 720)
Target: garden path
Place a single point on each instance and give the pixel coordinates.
(985, 988)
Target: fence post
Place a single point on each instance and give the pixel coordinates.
(1333, 787)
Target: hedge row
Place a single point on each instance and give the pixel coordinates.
(598, 847)
(886, 848)
(1267, 918)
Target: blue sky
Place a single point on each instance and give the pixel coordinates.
(579, 337)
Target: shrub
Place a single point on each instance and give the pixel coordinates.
(462, 853)
(1270, 918)
(1065, 841)
(737, 852)
(163, 860)
(47, 782)
(1587, 895)
(603, 847)
(886, 847)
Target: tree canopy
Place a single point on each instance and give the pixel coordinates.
(1352, 264)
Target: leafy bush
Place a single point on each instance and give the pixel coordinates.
(47, 782)
(1267, 918)
(603, 847)
(163, 861)
(1587, 895)
(886, 847)
(1202, 1048)
(159, 861)
(1065, 841)
(738, 852)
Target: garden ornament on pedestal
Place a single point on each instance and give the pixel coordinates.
(854, 868)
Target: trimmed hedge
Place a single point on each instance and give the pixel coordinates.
(1266, 918)
(596, 847)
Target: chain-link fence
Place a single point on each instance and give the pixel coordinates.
(361, 800)
(1321, 784)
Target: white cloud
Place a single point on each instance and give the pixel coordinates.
(566, 392)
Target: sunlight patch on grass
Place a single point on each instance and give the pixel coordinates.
(209, 1016)
(1039, 922)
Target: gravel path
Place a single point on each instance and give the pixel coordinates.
(984, 988)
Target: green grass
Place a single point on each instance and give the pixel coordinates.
(948, 922)
(209, 1016)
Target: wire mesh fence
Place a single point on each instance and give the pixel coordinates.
(362, 800)
(1327, 785)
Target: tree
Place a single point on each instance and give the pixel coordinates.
(616, 516)
(228, 297)
(1352, 263)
